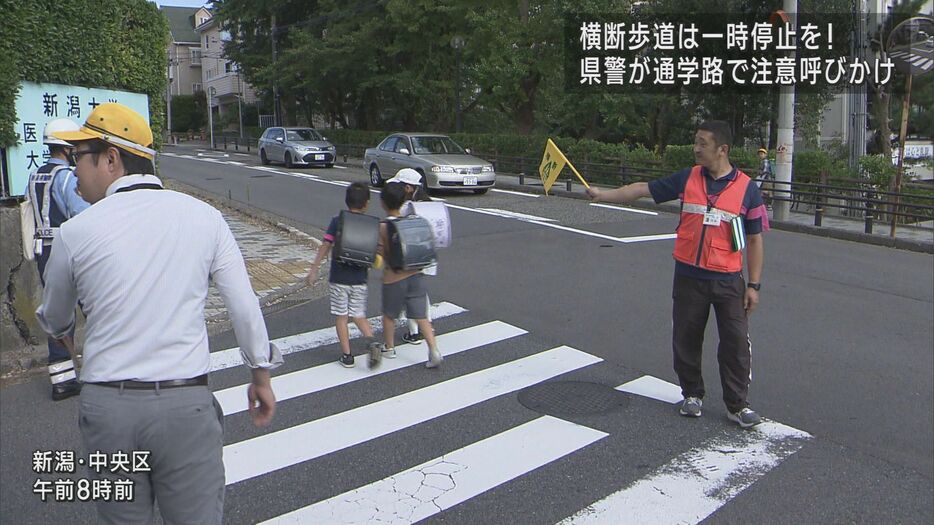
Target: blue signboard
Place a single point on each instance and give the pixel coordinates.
(37, 104)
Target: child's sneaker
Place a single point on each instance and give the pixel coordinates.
(374, 350)
(434, 358)
(411, 338)
(745, 418)
(347, 360)
(389, 353)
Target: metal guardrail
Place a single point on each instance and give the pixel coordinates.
(855, 198)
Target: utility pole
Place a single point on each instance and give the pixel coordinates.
(168, 98)
(277, 108)
(859, 94)
(786, 125)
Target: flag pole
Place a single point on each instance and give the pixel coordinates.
(578, 175)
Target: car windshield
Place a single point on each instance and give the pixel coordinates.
(298, 135)
(436, 145)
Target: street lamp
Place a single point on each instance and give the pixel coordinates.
(210, 93)
(457, 42)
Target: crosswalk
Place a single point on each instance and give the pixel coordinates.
(691, 484)
(916, 60)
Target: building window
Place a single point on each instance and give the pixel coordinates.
(196, 87)
(195, 57)
(230, 67)
(206, 44)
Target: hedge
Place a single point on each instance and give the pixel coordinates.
(579, 151)
(118, 44)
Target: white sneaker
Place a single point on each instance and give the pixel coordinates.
(434, 358)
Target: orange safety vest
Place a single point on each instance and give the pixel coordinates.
(709, 246)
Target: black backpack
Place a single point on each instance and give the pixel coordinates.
(357, 238)
(411, 243)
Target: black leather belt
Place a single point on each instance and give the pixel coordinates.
(155, 385)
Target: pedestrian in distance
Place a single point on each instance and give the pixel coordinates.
(414, 191)
(721, 213)
(347, 283)
(52, 191)
(139, 260)
(766, 176)
(402, 289)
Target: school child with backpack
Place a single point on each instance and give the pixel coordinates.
(347, 283)
(404, 286)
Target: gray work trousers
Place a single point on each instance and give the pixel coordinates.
(180, 429)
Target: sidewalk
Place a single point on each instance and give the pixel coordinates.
(277, 258)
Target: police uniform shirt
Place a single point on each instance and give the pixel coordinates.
(139, 261)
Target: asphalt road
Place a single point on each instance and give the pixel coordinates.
(842, 359)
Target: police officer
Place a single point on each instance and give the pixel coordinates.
(53, 192)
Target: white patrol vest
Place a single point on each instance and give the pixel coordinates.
(48, 216)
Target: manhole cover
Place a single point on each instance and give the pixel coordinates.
(572, 398)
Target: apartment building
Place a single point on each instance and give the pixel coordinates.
(221, 77)
(184, 51)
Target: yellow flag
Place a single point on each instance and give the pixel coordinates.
(552, 164)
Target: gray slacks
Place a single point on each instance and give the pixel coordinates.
(180, 429)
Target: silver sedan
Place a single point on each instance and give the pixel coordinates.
(442, 163)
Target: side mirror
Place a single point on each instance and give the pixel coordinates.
(467, 150)
(404, 151)
(280, 140)
(324, 138)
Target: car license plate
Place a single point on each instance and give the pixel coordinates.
(319, 157)
(470, 181)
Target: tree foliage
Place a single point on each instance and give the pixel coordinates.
(119, 44)
(390, 65)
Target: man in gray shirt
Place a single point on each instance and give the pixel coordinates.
(140, 260)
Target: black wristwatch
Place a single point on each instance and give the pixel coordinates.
(754, 286)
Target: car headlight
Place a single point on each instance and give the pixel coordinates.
(442, 169)
(331, 148)
(487, 169)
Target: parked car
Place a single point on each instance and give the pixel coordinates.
(442, 163)
(296, 147)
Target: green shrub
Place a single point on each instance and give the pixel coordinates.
(878, 169)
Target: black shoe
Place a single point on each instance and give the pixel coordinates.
(65, 389)
(411, 338)
(347, 360)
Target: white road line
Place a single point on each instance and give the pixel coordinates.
(695, 484)
(437, 485)
(339, 167)
(621, 208)
(641, 238)
(315, 379)
(235, 163)
(243, 154)
(516, 215)
(270, 452)
(927, 64)
(534, 196)
(650, 386)
(916, 59)
(223, 359)
(644, 238)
